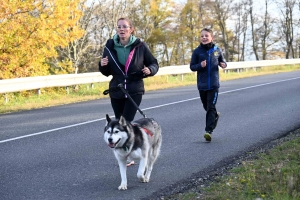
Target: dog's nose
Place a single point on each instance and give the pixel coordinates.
(110, 140)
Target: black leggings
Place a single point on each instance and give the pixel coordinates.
(125, 107)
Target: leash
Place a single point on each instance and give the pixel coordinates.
(121, 86)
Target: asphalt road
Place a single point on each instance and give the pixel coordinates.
(58, 153)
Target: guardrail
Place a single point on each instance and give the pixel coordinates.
(31, 83)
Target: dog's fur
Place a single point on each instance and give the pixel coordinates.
(140, 139)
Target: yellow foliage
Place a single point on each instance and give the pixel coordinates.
(30, 32)
(66, 67)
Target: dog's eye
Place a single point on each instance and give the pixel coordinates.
(116, 131)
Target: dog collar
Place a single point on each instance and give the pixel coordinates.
(126, 148)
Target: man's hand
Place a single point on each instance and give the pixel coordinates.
(203, 63)
(223, 65)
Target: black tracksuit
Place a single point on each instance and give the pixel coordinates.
(208, 82)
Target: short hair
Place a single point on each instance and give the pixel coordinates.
(207, 30)
(129, 22)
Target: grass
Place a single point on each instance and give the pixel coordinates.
(28, 100)
(274, 174)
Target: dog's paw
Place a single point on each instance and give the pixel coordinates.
(143, 179)
(123, 187)
(146, 180)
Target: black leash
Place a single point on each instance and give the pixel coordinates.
(121, 86)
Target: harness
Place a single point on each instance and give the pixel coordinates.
(126, 148)
(146, 130)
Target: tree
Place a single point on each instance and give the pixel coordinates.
(99, 23)
(240, 29)
(265, 32)
(286, 8)
(84, 51)
(223, 10)
(214, 14)
(186, 32)
(264, 35)
(153, 26)
(253, 31)
(30, 32)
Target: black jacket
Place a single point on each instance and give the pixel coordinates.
(133, 80)
(207, 77)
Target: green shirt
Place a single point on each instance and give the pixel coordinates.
(123, 51)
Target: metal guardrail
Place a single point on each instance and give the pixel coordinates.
(31, 83)
(38, 82)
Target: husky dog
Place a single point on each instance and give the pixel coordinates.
(140, 139)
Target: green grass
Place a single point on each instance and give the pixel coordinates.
(28, 100)
(274, 175)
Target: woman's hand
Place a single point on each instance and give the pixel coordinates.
(104, 61)
(146, 71)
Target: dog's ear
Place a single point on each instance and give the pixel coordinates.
(122, 121)
(107, 119)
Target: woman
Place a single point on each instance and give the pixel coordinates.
(128, 60)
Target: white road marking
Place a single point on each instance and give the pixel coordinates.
(167, 104)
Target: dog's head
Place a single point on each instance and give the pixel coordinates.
(116, 132)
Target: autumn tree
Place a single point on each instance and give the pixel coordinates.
(30, 32)
(186, 31)
(215, 15)
(150, 19)
(191, 23)
(152, 22)
(83, 52)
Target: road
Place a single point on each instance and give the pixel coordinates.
(58, 153)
